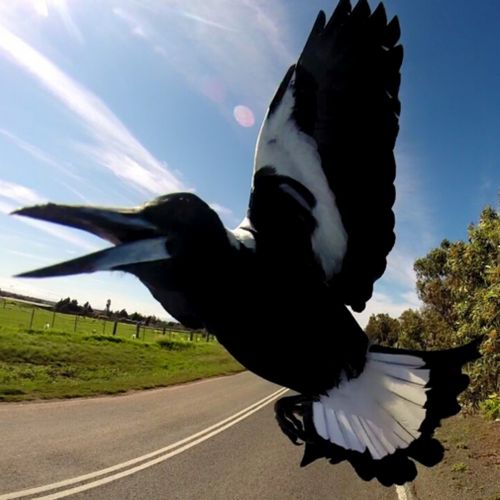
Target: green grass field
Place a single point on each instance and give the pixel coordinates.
(20, 316)
(60, 362)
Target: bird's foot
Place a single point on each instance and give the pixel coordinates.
(287, 410)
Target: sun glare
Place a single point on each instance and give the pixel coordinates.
(41, 7)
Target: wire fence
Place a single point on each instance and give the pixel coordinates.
(24, 316)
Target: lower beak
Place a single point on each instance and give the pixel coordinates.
(111, 259)
(137, 240)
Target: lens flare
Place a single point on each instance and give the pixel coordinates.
(244, 116)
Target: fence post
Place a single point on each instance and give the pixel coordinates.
(53, 319)
(31, 319)
(76, 321)
(137, 330)
(115, 326)
(164, 330)
(191, 334)
(104, 327)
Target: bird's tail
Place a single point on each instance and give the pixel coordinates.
(386, 416)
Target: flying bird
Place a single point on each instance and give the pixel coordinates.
(275, 291)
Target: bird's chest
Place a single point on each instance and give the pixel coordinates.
(278, 326)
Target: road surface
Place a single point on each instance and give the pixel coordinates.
(214, 439)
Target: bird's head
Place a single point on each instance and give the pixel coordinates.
(176, 245)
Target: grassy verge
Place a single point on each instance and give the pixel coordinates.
(470, 469)
(43, 364)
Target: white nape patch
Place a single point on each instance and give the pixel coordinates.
(381, 410)
(290, 152)
(242, 235)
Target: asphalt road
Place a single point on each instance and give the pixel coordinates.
(215, 439)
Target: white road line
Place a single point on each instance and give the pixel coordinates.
(166, 453)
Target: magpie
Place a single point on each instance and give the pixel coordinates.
(277, 290)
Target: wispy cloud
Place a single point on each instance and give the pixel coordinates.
(61, 233)
(400, 269)
(74, 191)
(18, 12)
(241, 46)
(14, 195)
(114, 147)
(19, 194)
(30, 256)
(68, 22)
(225, 213)
(133, 24)
(39, 154)
(208, 22)
(65, 168)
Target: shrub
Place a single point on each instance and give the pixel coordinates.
(174, 345)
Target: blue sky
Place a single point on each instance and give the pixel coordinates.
(113, 103)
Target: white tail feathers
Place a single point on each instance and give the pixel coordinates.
(381, 410)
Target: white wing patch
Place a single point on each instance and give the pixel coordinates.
(293, 153)
(381, 410)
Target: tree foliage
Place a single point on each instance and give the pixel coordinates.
(69, 306)
(459, 285)
(383, 329)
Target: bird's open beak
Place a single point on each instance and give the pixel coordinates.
(136, 239)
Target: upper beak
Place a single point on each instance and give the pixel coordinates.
(116, 225)
(136, 239)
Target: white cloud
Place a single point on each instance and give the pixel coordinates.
(400, 269)
(226, 214)
(414, 217)
(383, 303)
(396, 290)
(112, 140)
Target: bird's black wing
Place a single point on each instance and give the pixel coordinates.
(324, 171)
